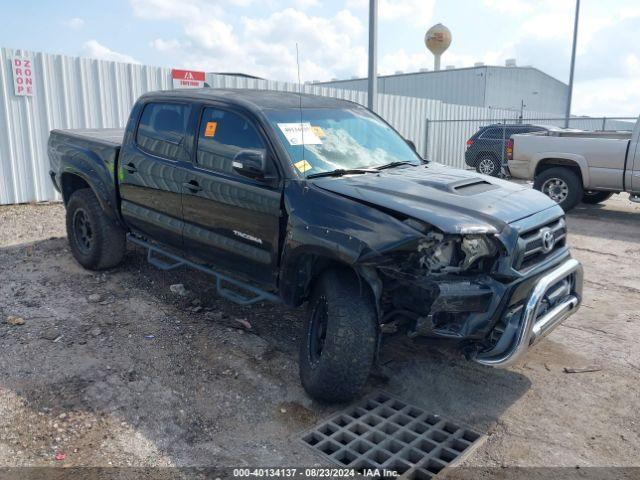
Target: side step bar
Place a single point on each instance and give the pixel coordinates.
(222, 281)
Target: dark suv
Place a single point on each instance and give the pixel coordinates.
(486, 148)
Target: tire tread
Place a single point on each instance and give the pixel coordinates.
(350, 343)
(109, 236)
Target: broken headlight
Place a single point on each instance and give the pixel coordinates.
(452, 254)
(476, 247)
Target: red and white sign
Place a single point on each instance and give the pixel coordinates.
(22, 76)
(187, 79)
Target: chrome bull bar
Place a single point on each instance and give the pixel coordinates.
(532, 327)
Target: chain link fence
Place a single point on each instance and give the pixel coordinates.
(481, 143)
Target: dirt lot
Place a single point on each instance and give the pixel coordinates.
(115, 369)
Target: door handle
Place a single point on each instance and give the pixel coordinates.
(131, 168)
(192, 185)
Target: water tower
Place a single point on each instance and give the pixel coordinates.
(437, 39)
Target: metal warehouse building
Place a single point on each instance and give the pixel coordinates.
(483, 86)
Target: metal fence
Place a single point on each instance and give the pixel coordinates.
(481, 143)
(69, 92)
(72, 92)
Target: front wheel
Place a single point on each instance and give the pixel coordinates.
(488, 166)
(339, 344)
(593, 197)
(561, 185)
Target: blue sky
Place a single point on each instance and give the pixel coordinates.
(259, 36)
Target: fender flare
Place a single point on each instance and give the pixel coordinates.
(101, 191)
(578, 160)
(301, 265)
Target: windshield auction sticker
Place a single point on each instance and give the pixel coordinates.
(303, 166)
(296, 132)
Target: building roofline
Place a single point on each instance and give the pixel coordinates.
(485, 67)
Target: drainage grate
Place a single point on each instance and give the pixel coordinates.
(383, 432)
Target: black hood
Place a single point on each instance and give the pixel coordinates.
(453, 200)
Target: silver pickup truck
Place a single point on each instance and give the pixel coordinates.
(576, 166)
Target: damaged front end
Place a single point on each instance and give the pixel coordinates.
(441, 284)
(464, 287)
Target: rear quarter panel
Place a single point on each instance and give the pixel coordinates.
(92, 161)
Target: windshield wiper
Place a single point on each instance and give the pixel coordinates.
(339, 172)
(395, 164)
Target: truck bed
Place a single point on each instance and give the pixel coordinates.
(591, 134)
(93, 154)
(108, 136)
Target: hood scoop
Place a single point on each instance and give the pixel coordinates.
(474, 188)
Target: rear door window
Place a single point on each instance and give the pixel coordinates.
(223, 134)
(492, 133)
(162, 129)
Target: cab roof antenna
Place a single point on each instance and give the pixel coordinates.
(300, 97)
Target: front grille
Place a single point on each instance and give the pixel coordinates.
(534, 246)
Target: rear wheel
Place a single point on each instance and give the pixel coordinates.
(561, 185)
(592, 196)
(339, 346)
(96, 241)
(488, 165)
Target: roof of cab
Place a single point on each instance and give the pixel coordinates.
(256, 99)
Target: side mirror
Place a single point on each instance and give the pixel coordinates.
(250, 163)
(411, 144)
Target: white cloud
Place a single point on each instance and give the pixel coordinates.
(304, 4)
(509, 7)
(608, 59)
(403, 61)
(183, 9)
(167, 45)
(74, 23)
(416, 12)
(598, 97)
(263, 46)
(94, 49)
(217, 35)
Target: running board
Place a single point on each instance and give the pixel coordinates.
(222, 280)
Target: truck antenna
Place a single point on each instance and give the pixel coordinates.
(300, 97)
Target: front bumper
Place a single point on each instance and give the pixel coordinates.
(555, 296)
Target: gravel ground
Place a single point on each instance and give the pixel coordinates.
(113, 369)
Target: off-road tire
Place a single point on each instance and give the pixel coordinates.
(574, 192)
(107, 244)
(488, 159)
(339, 372)
(593, 197)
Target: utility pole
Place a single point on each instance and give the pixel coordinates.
(573, 64)
(372, 91)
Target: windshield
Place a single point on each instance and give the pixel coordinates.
(338, 139)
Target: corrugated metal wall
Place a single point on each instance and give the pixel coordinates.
(75, 92)
(507, 87)
(69, 92)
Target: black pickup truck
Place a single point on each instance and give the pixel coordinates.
(299, 198)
